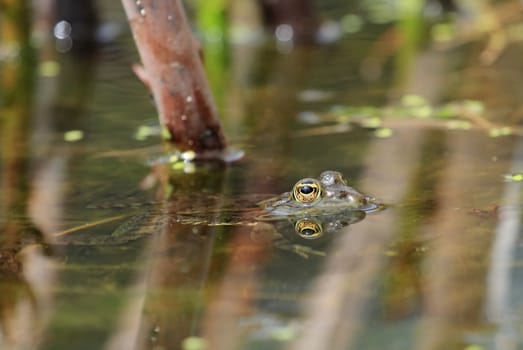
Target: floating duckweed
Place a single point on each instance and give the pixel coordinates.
(474, 106)
(494, 132)
(383, 133)
(194, 343)
(49, 69)
(188, 155)
(178, 166)
(371, 123)
(449, 110)
(183, 161)
(369, 111)
(516, 177)
(343, 118)
(474, 347)
(443, 32)
(351, 23)
(497, 132)
(413, 100)
(144, 132)
(169, 189)
(284, 334)
(424, 111)
(458, 125)
(73, 135)
(173, 158)
(166, 134)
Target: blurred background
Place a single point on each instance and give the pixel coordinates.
(105, 245)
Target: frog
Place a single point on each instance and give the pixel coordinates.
(308, 215)
(327, 195)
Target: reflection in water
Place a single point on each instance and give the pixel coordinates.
(308, 229)
(203, 270)
(316, 230)
(206, 277)
(25, 275)
(33, 173)
(500, 286)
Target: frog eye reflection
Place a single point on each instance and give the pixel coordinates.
(308, 228)
(307, 191)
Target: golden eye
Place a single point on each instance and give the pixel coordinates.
(308, 228)
(307, 191)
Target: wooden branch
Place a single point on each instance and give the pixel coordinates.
(173, 72)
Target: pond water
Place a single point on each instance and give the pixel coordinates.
(95, 256)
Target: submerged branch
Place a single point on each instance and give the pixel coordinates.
(173, 72)
(88, 225)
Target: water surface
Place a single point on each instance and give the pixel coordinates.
(438, 269)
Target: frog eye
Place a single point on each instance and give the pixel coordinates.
(308, 228)
(307, 191)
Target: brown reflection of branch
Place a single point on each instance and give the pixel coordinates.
(24, 299)
(177, 273)
(457, 259)
(180, 255)
(457, 262)
(23, 311)
(166, 302)
(236, 294)
(335, 306)
(16, 94)
(339, 294)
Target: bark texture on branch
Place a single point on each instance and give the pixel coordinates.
(173, 72)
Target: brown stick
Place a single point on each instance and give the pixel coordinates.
(173, 72)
